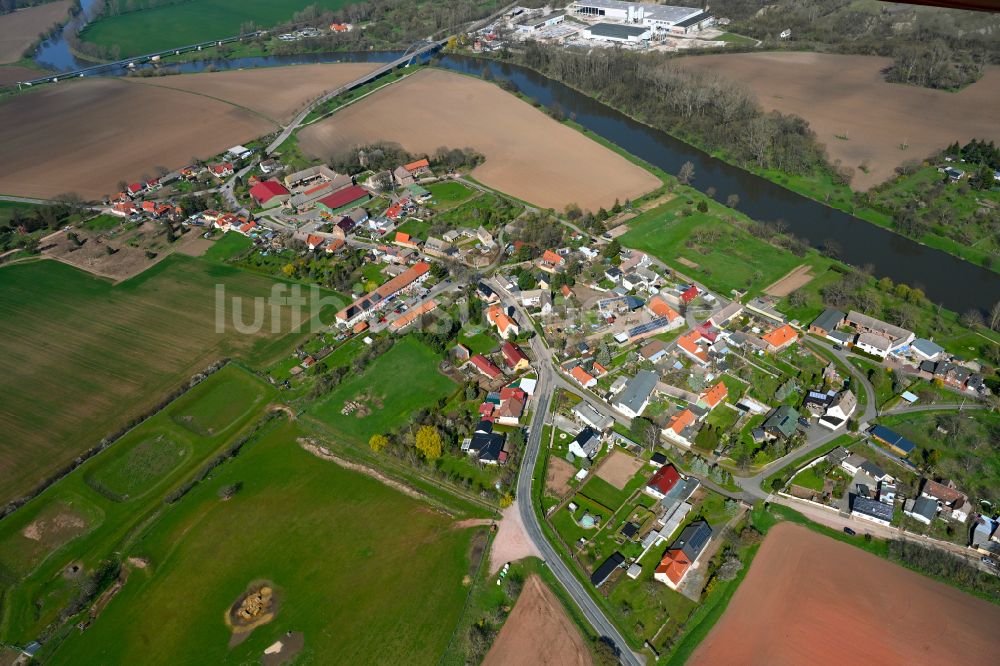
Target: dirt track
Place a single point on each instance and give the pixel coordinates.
(846, 95)
(85, 136)
(795, 278)
(276, 92)
(538, 632)
(19, 29)
(809, 599)
(528, 154)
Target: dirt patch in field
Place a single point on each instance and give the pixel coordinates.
(809, 599)
(255, 607)
(846, 96)
(538, 631)
(18, 30)
(51, 528)
(276, 92)
(797, 277)
(11, 75)
(512, 541)
(557, 476)
(619, 468)
(285, 650)
(85, 136)
(687, 262)
(528, 154)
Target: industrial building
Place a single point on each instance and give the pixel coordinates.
(613, 32)
(658, 18)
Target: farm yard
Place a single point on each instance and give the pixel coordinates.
(164, 27)
(401, 606)
(20, 29)
(528, 155)
(81, 357)
(862, 119)
(809, 598)
(397, 383)
(61, 537)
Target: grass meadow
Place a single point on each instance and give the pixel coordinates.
(91, 513)
(164, 27)
(409, 364)
(80, 357)
(367, 574)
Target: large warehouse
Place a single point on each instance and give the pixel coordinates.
(615, 32)
(666, 18)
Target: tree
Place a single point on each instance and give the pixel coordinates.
(995, 317)
(686, 174)
(972, 319)
(428, 442)
(506, 500)
(288, 270)
(612, 249)
(378, 442)
(733, 200)
(604, 355)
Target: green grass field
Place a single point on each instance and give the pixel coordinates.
(603, 492)
(399, 382)
(230, 245)
(102, 223)
(79, 358)
(165, 27)
(448, 194)
(367, 574)
(808, 478)
(91, 513)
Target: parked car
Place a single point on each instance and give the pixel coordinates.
(849, 531)
(838, 348)
(990, 561)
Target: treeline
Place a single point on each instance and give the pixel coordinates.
(704, 107)
(939, 564)
(932, 47)
(8, 6)
(977, 152)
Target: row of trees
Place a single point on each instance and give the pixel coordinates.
(934, 65)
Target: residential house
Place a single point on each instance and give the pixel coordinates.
(922, 509)
(412, 315)
(949, 499)
(437, 247)
(505, 324)
(871, 510)
(336, 245)
(895, 442)
(870, 327)
(662, 481)
(485, 366)
(762, 308)
(487, 446)
(654, 350)
(221, 171)
(874, 344)
(485, 237)
(713, 396)
(635, 396)
(682, 428)
(586, 444)
(840, 410)
(377, 299)
(582, 377)
(852, 463)
(876, 472)
(691, 344)
(486, 293)
(586, 413)
(537, 298)
(925, 350)
(406, 240)
(608, 567)
(986, 535)
(689, 294)
(683, 554)
(830, 320)
(550, 261)
(780, 338)
(512, 403)
(418, 193)
(313, 242)
(514, 357)
(782, 422)
(726, 314)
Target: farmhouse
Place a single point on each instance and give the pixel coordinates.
(871, 329)
(830, 320)
(269, 193)
(635, 396)
(586, 444)
(683, 553)
(377, 299)
(586, 413)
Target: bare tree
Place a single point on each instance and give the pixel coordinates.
(686, 174)
(995, 317)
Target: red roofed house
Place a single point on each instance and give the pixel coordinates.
(780, 338)
(713, 396)
(660, 308)
(486, 411)
(678, 429)
(376, 300)
(418, 167)
(514, 357)
(690, 294)
(598, 369)
(688, 343)
(344, 199)
(394, 211)
(672, 567)
(135, 189)
(247, 227)
(405, 240)
(582, 377)
(512, 401)
(340, 27)
(485, 366)
(550, 261)
(335, 245)
(269, 193)
(566, 291)
(223, 170)
(506, 326)
(314, 241)
(123, 209)
(662, 481)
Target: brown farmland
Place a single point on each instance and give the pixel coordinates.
(538, 632)
(845, 95)
(528, 155)
(275, 92)
(809, 599)
(19, 29)
(11, 74)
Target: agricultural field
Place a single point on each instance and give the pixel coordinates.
(204, 552)
(397, 383)
(964, 449)
(866, 123)
(717, 253)
(81, 358)
(61, 537)
(159, 28)
(528, 155)
(20, 29)
(809, 598)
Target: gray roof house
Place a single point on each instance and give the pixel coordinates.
(693, 539)
(828, 321)
(871, 510)
(635, 396)
(586, 444)
(926, 350)
(591, 417)
(922, 508)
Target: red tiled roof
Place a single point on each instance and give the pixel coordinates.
(314, 241)
(664, 478)
(410, 315)
(680, 421)
(715, 395)
(690, 294)
(512, 393)
(135, 187)
(419, 164)
(513, 355)
(401, 281)
(402, 237)
(581, 375)
(781, 336)
(689, 343)
(566, 291)
(344, 197)
(660, 308)
(266, 190)
(674, 565)
(552, 258)
(485, 366)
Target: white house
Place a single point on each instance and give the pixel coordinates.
(839, 411)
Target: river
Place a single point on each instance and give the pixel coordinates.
(954, 283)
